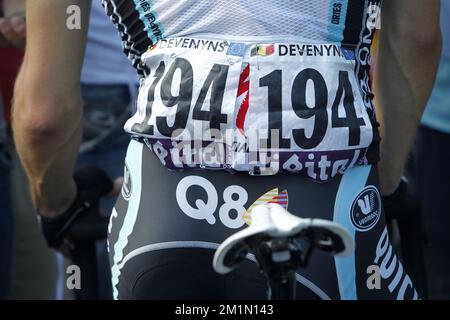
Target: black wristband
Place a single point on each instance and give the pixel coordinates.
(54, 229)
(91, 183)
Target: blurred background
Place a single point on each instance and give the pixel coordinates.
(28, 268)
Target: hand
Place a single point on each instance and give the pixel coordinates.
(13, 31)
(82, 221)
(56, 208)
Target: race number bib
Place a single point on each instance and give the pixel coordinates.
(306, 108)
(191, 85)
(248, 107)
(309, 95)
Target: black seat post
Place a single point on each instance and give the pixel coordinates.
(276, 261)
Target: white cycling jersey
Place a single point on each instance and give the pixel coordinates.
(260, 86)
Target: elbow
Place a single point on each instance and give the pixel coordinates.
(429, 45)
(35, 126)
(425, 44)
(412, 37)
(43, 120)
(44, 113)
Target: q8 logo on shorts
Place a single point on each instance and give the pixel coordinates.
(231, 209)
(366, 209)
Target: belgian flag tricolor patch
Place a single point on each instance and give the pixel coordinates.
(263, 50)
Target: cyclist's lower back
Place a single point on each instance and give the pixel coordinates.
(166, 226)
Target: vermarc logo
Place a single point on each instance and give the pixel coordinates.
(366, 209)
(127, 186)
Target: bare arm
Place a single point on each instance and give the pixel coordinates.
(47, 108)
(409, 51)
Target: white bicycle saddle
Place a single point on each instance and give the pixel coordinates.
(272, 221)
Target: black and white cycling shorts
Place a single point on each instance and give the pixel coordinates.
(166, 226)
